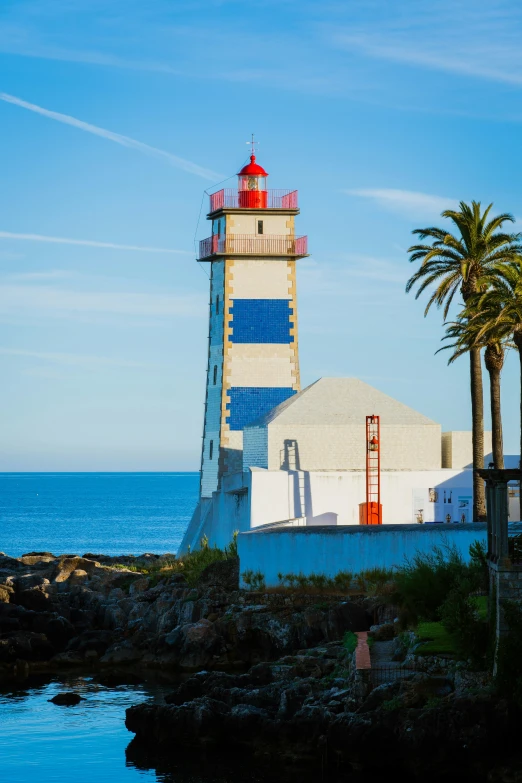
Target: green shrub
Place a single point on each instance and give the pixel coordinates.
(478, 567)
(341, 582)
(422, 584)
(190, 565)
(460, 616)
(254, 580)
(392, 704)
(350, 641)
(375, 580)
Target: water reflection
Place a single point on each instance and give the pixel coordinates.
(45, 742)
(42, 740)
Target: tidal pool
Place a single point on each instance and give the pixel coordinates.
(41, 742)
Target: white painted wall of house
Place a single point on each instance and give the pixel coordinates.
(330, 550)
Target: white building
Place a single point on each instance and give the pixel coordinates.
(275, 456)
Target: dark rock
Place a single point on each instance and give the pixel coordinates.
(382, 633)
(10, 564)
(194, 644)
(223, 574)
(67, 699)
(57, 628)
(98, 640)
(34, 598)
(26, 645)
(121, 653)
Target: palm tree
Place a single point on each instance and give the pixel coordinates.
(501, 312)
(465, 262)
(468, 333)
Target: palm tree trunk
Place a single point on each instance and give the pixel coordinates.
(517, 339)
(494, 360)
(477, 417)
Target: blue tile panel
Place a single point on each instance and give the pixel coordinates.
(247, 403)
(261, 321)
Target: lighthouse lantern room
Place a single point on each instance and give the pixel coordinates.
(252, 190)
(253, 362)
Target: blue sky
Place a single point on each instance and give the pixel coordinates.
(116, 115)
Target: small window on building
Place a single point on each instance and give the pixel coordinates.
(217, 304)
(211, 449)
(259, 226)
(215, 374)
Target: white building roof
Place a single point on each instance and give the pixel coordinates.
(341, 401)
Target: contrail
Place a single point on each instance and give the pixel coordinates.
(89, 243)
(125, 141)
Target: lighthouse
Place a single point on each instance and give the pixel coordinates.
(253, 361)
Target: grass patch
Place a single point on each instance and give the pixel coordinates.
(436, 639)
(480, 603)
(350, 641)
(341, 582)
(190, 565)
(392, 704)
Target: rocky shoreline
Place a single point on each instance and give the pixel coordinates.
(268, 676)
(95, 611)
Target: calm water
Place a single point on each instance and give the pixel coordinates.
(46, 743)
(105, 513)
(43, 743)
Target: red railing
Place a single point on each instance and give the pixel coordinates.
(248, 244)
(276, 199)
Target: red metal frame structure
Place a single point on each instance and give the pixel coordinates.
(370, 513)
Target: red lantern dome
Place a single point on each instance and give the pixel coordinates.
(253, 169)
(252, 186)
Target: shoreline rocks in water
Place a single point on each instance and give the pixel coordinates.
(76, 611)
(67, 699)
(306, 710)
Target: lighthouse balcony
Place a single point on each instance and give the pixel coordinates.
(228, 198)
(252, 245)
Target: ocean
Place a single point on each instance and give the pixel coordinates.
(100, 513)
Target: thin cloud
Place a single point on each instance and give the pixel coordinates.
(478, 59)
(64, 302)
(409, 203)
(71, 359)
(88, 243)
(52, 274)
(125, 141)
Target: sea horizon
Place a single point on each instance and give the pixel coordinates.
(68, 512)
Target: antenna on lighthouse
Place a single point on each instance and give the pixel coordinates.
(253, 144)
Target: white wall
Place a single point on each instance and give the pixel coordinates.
(246, 223)
(261, 279)
(324, 447)
(457, 451)
(333, 497)
(327, 551)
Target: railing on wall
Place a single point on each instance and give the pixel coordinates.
(249, 244)
(276, 199)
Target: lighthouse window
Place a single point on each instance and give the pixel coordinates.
(215, 374)
(259, 226)
(211, 449)
(217, 304)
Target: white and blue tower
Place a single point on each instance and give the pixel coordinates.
(253, 362)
